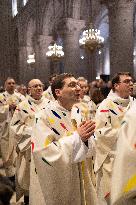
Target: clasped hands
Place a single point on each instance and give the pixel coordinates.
(12, 106)
(86, 129)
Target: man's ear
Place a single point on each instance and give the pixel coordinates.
(57, 92)
(116, 86)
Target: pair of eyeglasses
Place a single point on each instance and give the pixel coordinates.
(73, 84)
(127, 81)
(37, 85)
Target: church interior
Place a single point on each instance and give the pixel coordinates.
(28, 27)
(92, 40)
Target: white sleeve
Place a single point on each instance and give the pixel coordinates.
(70, 148)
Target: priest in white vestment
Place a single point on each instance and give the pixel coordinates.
(60, 146)
(21, 129)
(108, 121)
(123, 190)
(48, 93)
(85, 97)
(8, 102)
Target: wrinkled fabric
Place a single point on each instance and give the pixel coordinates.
(48, 94)
(7, 141)
(21, 129)
(108, 121)
(91, 105)
(57, 152)
(124, 171)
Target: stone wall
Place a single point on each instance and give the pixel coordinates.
(41, 21)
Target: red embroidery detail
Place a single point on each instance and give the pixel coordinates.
(62, 125)
(107, 195)
(104, 111)
(32, 109)
(32, 145)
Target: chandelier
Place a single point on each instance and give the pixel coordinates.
(91, 39)
(31, 59)
(55, 52)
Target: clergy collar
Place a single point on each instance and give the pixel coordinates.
(35, 101)
(116, 98)
(56, 103)
(7, 93)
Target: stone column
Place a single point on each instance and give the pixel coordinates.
(19, 5)
(42, 63)
(23, 71)
(71, 32)
(121, 35)
(92, 69)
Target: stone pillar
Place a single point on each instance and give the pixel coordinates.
(76, 9)
(71, 33)
(23, 71)
(105, 58)
(121, 35)
(42, 63)
(92, 68)
(19, 5)
(6, 40)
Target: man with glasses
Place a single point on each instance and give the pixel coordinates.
(60, 144)
(21, 129)
(108, 121)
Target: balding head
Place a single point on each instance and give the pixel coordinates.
(35, 87)
(33, 82)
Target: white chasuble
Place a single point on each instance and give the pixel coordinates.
(7, 142)
(123, 190)
(21, 129)
(108, 121)
(57, 151)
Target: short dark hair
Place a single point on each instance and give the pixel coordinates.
(52, 76)
(58, 82)
(116, 78)
(9, 78)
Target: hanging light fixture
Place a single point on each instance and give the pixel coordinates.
(91, 38)
(31, 59)
(55, 52)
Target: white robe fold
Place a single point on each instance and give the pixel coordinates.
(108, 121)
(57, 151)
(7, 141)
(48, 94)
(21, 129)
(123, 190)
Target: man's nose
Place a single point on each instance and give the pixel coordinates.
(78, 87)
(131, 82)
